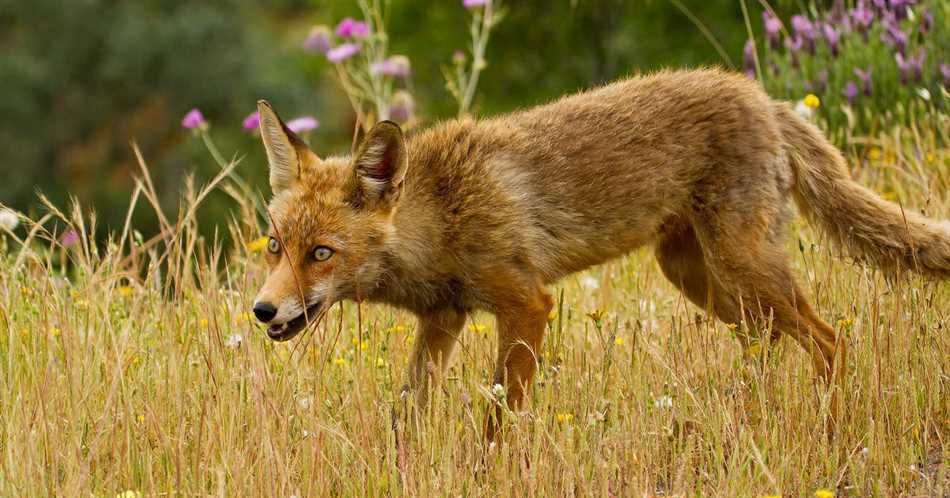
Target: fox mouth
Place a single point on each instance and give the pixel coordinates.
(289, 329)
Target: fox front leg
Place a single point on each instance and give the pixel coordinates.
(435, 340)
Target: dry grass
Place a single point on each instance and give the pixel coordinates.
(125, 374)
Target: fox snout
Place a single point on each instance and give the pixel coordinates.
(265, 311)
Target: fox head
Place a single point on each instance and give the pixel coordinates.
(329, 222)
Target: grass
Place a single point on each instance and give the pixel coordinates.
(139, 369)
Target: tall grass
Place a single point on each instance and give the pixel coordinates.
(133, 365)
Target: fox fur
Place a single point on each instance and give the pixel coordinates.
(485, 214)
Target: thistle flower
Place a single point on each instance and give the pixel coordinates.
(458, 57)
(772, 28)
(68, 238)
(850, 91)
(193, 119)
(401, 107)
(865, 77)
(252, 121)
(343, 51)
(302, 124)
(748, 58)
(317, 40)
(349, 27)
(471, 4)
(397, 65)
(9, 219)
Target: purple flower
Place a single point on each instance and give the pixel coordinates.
(862, 15)
(318, 40)
(910, 67)
(68, 238)
(748, 58)
(850, 91)
(865, 77)
(402, 107)
(899, 7)
(342, 52)
(349, 27)
(458, 57)
(194, 119)
(926, 20)
(945, 72)
(895, 37)
(252, 121)
(793, 44)
(397, 65)
(880, 4)
(772, 28)
(804, 29)
(302, 124)
(831, 36)
(471, 4)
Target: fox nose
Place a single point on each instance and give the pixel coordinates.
(265, 312)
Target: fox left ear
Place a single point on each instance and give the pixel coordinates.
(381, 163)
(283, 148)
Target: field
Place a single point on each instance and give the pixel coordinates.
(138, 371)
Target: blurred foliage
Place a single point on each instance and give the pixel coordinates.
(84, 78)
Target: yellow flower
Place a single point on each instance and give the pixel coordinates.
(874, 154)
(129, 494)
(396, 329)
(824, 493)
(564, 417)
(141, 419)
(930, 157)
(551, 316)
(477, 328)
(811, 100)
(597, 315)
(339, 361)
(618, 341)
(55, 331)
(75, 294)
(203, 323)
(731, 326)
(380, 362)
(258, 244)
(845, 323)
(359, 343)
(124, 290)
(243, 317)
(82, 304)
(26, 291)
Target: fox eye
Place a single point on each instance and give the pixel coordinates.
(322, 253)
(273, 246)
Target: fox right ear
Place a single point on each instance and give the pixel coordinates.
(281, 145)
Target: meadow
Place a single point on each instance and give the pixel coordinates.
(157, 382)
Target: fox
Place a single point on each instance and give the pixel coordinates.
(486, 214)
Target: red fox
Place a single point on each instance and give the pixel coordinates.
(485, 214)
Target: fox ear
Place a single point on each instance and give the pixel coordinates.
(281, 145)
(381, 163)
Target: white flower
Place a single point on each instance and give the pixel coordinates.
(8, 218)
(924, 93)
(803, 110)
(589, 282)
(664, 401)
(234, 341)
(498, 390)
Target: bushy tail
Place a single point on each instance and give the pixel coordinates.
(864, 225)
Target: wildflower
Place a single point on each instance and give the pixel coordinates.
(339, 361)
(811, 100)
(317, 40)
(252, 121)
(824, 493)
(140, 419)
(243, 317)
(342, 52)
(831, 36)
(203, 323)
(193, 119)
(850, 91)
(865, 77)
(895, 37)
(397, 65)
(302, 124)
(805, 30)
(349, 27)
(731, 326)
(845, 322)
(401, 107)
(618, 341)
(874, 154)
(772, 27)
(926, 20)
(258, 244)
(498, 390)
(664, 401)
(68, 238)
(563, 417)
(380, 362)
(753, 350)
(862, 15)
(129, 494)
(596, 315)
(590, 283)
(477, 328)
(471, 4)
(9, 219)
(360, 343)
(396, 328)
(910, 67)
(124, 290)
(234, 341)
(458, 57)
(924, 93)
(748, 58)
(55, 331)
